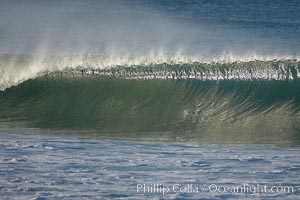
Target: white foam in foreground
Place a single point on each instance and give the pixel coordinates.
(61, 167)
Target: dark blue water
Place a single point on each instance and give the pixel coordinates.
(278, 21)
(138, 28)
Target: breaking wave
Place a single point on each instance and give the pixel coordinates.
(248, 100)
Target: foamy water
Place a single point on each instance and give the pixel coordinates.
(68, 167)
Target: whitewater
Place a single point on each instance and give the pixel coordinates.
(64, 35)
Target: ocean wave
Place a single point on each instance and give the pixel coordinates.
(177, 108)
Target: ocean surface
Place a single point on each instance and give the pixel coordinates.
(66, 167)
(98, 98)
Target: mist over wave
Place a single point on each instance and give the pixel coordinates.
(135, 29)
(102, 34)
(129, 29)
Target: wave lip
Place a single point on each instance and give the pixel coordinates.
(15, 69)
(254, 70)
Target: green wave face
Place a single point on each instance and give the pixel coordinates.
(176, 109)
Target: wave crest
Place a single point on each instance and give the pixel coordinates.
(16, 69)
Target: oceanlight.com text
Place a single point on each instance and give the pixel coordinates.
(248, 189)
